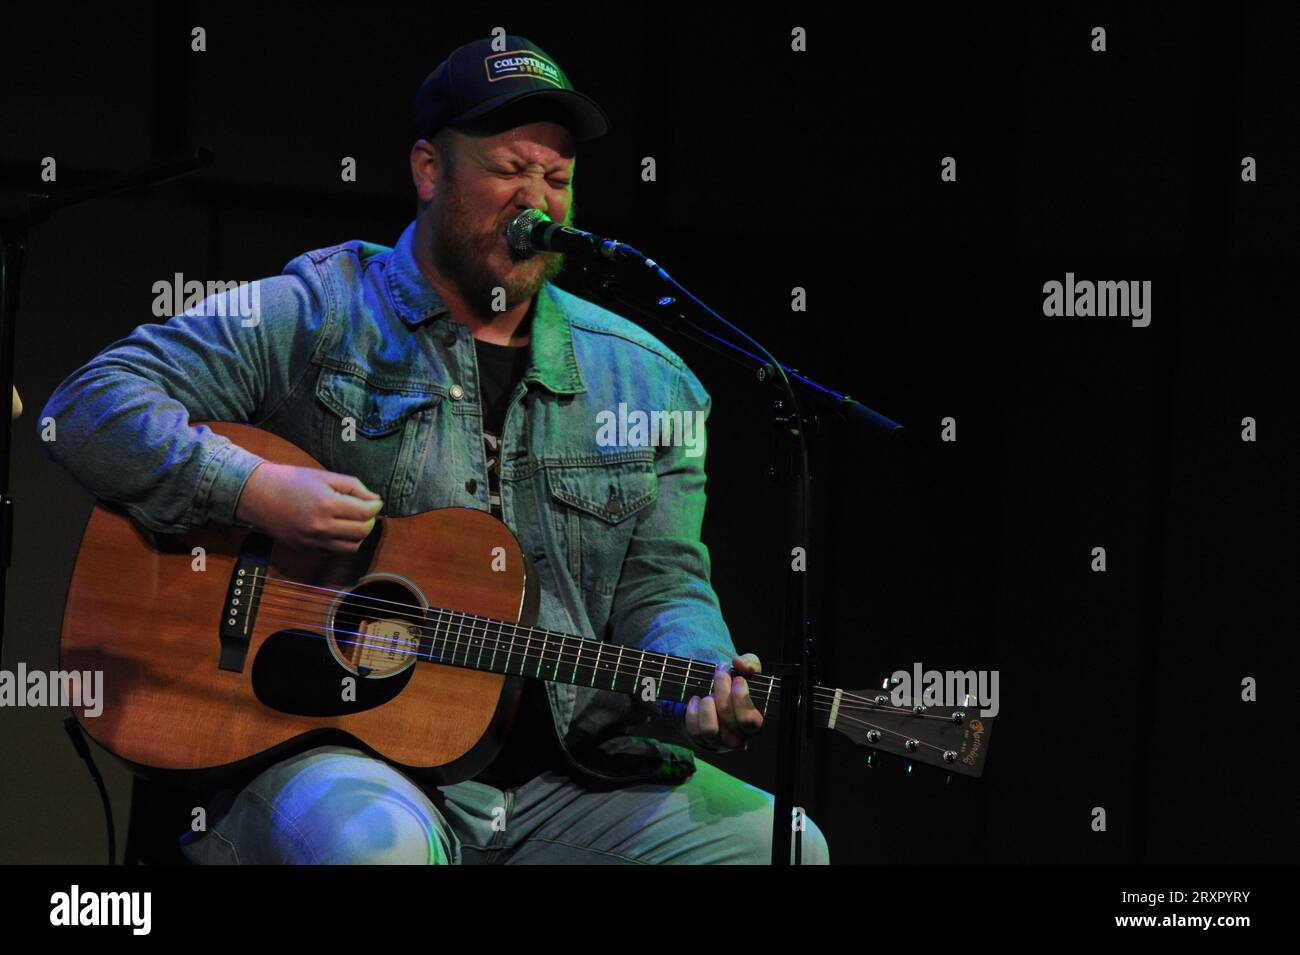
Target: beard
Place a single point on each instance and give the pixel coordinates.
(462, 252)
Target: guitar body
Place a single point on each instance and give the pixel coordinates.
(222, 653)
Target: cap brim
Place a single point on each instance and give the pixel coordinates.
(587, 119)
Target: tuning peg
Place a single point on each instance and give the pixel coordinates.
(909, 769)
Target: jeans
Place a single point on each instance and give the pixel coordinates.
(333, 804)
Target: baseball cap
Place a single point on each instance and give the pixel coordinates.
(476, 83)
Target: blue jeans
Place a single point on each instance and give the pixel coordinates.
(333, 804)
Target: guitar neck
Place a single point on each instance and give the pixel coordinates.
(498, 646)
(937, 735)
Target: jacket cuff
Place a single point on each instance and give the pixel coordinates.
(222, 483)
(671, 714)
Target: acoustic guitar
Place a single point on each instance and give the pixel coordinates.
(223, 652)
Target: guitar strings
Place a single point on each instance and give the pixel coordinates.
(824, 696)
(761, 684)
(363, 602)
(490, 623)
(352, 602)
(823, 700)
(823, 703)
(569, 651)
(528, 644)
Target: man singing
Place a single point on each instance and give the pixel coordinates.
(449, 372)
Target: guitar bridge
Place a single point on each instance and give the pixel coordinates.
(243, 594)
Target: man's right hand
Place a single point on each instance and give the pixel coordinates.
(307, 508)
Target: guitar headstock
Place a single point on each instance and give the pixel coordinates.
(955, 738)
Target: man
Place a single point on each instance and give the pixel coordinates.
(448, 371)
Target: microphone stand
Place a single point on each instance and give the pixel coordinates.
(806, 398)
(14, 224)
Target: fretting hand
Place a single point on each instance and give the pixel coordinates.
(726, 718)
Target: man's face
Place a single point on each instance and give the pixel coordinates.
(491, 180)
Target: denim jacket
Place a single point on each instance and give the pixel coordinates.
(356, 331)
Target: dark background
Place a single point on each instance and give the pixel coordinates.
(819, 169)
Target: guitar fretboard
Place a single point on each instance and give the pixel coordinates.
(498, 646)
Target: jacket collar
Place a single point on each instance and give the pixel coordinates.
(552, 361)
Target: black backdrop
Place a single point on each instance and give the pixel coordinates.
(819, 169)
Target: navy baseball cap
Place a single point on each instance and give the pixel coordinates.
(475, 83)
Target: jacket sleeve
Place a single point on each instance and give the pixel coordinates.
(120, 424)
(664, 601)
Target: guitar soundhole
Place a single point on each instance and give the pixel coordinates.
(375, 627)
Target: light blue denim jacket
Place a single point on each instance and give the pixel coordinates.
(355, 331)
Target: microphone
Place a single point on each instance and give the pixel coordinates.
(533, 231)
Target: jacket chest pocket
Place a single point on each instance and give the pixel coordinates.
(370, 431)
(595, 510)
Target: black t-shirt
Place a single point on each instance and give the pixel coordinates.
(531, 746)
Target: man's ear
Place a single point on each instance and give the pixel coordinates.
(424, 169)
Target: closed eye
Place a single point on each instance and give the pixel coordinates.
(559, 178)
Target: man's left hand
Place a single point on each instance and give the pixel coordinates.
(726, 718)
